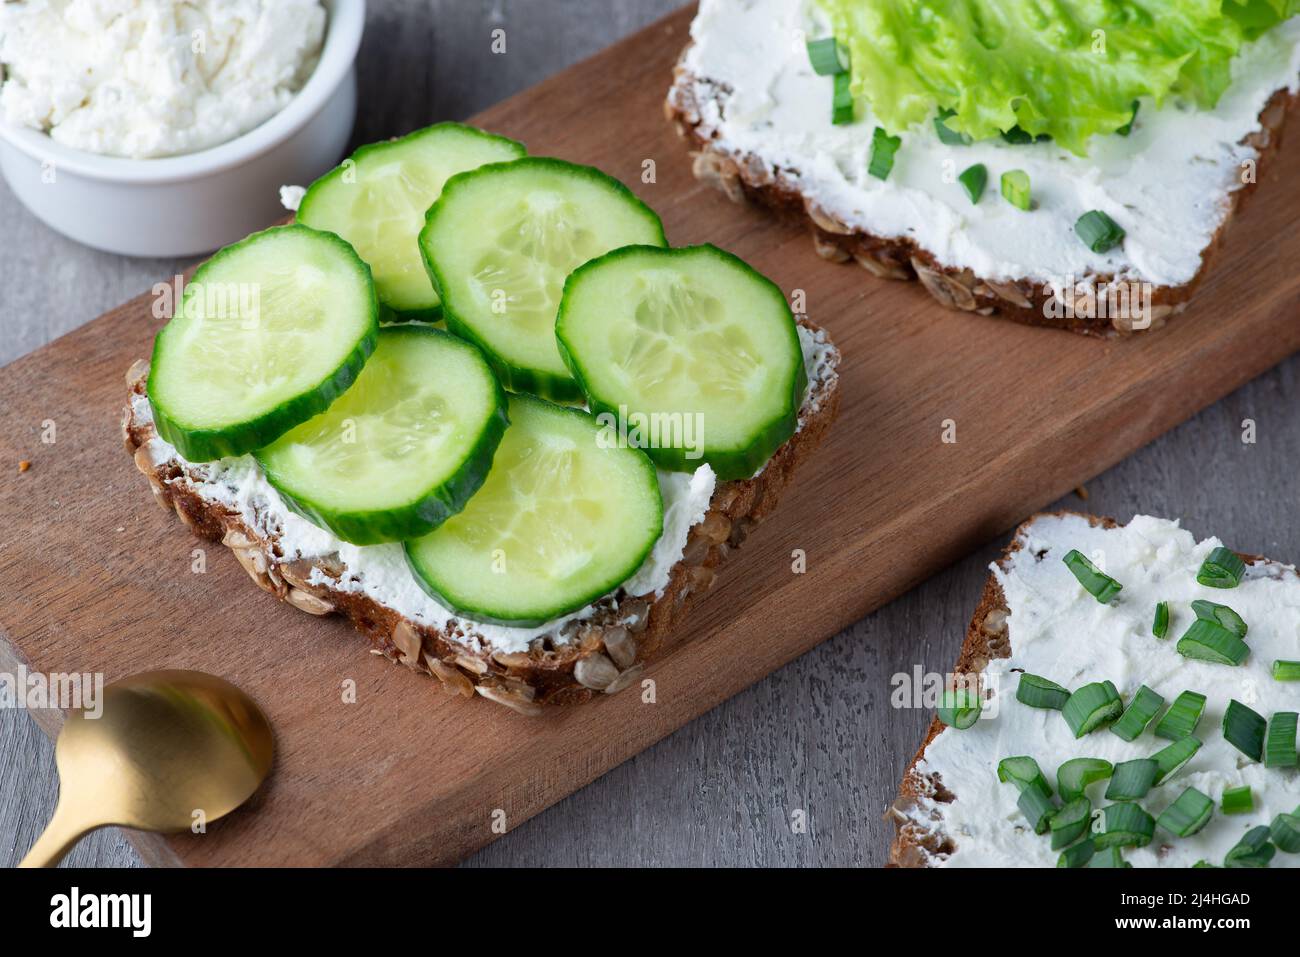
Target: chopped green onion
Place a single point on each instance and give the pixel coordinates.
(946, 133)
(1024, 773)
(1220, 615)
(1108, 857)
(1074, 776)
(1286, 670)
(1245, 728)
(1037, 809)
(1182, 717)
(842, 100)
(1092, 706)
(1020, 137)
(1097, 583)
(1204, 863)
(1077, 856)
(1127, 128)
(1038, 692)
(1127, 825)
(973, 179)
(883, 148)
(1188, 814)
(1138, 714)
(1253, 850)
(1160, 627)
(1170, 760)
(959, 708)
(1285, 832)
(1238, 800)
(1015, 188)
(1132, 779)
(1070, 823)
(1098, 231)
(825, 57)
(1279, 747)
(1222, 569)
(1210, 641)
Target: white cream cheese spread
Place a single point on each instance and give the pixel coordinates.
(1167, 183)
(1058, 631)
(381, 572)
(291, 197)
(150, 78)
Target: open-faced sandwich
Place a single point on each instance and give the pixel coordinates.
(525, 503)
(1069, 164)
(1126, 695)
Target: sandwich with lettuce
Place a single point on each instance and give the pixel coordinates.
(1070, 163)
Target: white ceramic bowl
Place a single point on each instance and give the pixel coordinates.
(183, 205)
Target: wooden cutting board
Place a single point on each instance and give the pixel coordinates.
(97, 578)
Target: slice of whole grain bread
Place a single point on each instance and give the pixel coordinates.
(745, 177)
(600, 654)
(916, 843)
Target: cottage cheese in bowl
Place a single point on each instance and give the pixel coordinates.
(167, 125)
(153, 78)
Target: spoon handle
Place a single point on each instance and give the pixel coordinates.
(63, 831)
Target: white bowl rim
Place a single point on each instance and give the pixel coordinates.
(345, 24)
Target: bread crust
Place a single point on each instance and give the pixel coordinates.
(745, 177)
(604, 653)
(916, 844)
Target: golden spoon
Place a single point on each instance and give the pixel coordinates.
(170, 749)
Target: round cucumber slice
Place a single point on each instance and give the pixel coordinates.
(268, 332)
(694, 353)
(499, 243)
(564, 517)
(403, 449)
(376, 200)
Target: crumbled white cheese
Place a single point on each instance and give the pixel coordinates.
(819, 359)
(291, 197)
(686, 498)
(1167, 183)
(1060, 632)
(149, 78)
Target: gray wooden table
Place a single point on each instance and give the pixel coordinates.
(819, 736)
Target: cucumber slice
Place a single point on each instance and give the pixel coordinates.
(403, 449)
(376, 200)
(563, 518)
(268, 333)
(690, 347)
(499, 243)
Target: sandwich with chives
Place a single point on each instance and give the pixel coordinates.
(1156, 757)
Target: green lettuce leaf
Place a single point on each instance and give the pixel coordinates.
(1066, 68)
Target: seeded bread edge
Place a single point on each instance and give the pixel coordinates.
(604, 654)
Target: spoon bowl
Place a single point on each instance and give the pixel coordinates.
(170, 750)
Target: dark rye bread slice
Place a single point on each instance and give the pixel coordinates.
(915, 844)
(745, 177)
(604, 653)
